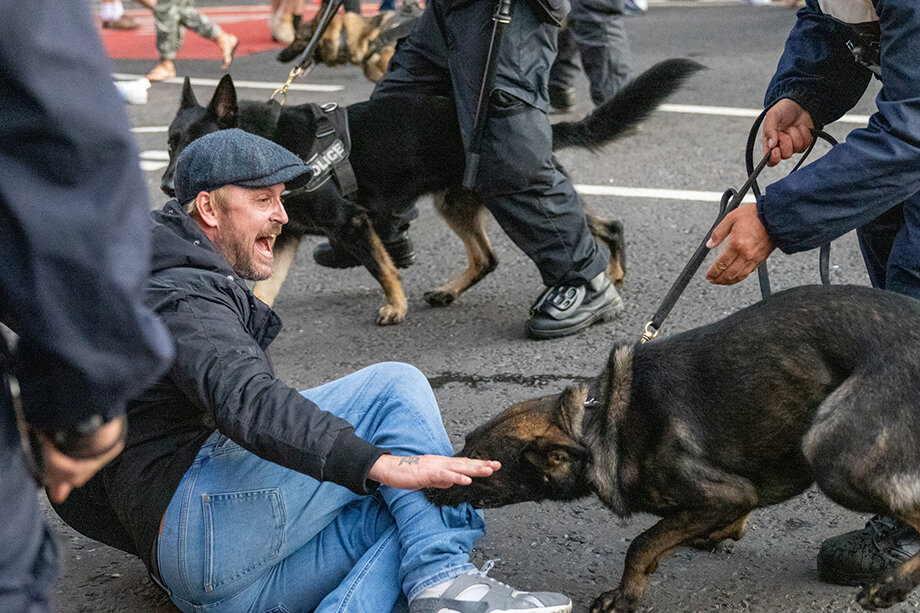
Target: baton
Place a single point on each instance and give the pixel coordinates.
(501, 17)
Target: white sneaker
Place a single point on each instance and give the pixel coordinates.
(475, 592)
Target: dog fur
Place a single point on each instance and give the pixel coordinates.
(351, 38)
(423, 154)
(815, 384)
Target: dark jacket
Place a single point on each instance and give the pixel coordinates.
(878, 166)
(222, 379)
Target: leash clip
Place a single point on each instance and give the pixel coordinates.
(649, 333)
(295, 72)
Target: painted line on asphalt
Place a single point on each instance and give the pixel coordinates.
(303, 87)
(155, 159)
(730, 111)
(647, 192)
(691, 109)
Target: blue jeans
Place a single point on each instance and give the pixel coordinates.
(245, 534)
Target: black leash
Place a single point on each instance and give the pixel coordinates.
(305, 62)
(731, 199)
(31, 446)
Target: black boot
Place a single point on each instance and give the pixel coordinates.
(399, 247)
(566, 309)
(868, 555)
(562, 99)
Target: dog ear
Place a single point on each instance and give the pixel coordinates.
(223, 104)
(548, 456)
(188, 96)
(570, 411)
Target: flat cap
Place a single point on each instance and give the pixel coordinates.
(235, 157)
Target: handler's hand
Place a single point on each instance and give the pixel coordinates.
(786, 126)
(416, 472)
(748, 245)
(63, 473)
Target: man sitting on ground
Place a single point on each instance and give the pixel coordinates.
(230, 487)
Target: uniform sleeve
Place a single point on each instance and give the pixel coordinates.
(876, 168)
(817, 69)
(224, 372)
(74, 233)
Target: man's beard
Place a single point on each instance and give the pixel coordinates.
(238, 253)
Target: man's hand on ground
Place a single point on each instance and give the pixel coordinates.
(416, 472)
(63, 473)
(786, 126)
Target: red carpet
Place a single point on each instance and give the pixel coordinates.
(249, 23)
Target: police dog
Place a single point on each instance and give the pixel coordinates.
(404, 148)
(351, 38)
(701, 428)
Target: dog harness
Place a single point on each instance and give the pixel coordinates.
(328, 155)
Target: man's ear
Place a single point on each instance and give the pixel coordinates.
(207, 214)
(570, 411)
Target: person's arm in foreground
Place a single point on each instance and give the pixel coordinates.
(74, 233)
(876, 168)
(222, 369)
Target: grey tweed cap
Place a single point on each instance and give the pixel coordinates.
(235, 157)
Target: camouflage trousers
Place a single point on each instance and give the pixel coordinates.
(171, 17)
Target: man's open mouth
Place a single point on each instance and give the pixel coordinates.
(265, 244)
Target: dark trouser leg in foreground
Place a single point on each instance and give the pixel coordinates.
(28, 553)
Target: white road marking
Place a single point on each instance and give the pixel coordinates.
(150, 166)
(304, 87)
(693, 109)
(153, 160)
(648, 192)
(729, 111)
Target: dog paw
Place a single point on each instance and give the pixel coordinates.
(882, 595)
(439, 298)
(389, 315)
(614, 601)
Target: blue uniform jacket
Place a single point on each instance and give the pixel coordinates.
(878, 166)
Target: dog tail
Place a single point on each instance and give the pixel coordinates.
(627, 108)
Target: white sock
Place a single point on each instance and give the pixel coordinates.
(111, 11)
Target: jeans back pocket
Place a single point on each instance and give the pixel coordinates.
(244, 531)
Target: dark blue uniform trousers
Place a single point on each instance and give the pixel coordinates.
(28, 558)
(519, 180)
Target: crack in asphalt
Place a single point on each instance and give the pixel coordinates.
(474, 381)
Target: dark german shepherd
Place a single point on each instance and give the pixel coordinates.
(813, 384)
(402, 149)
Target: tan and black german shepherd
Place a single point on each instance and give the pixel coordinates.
(402, 148)
(815, 384)
(366, 41)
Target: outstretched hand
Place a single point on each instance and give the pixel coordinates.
(417, 472)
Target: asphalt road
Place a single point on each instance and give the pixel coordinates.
(479, 361)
